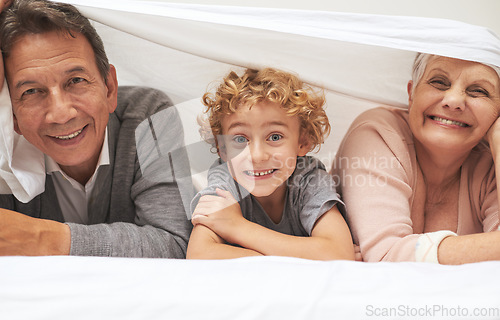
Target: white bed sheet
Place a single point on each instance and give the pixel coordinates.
(248, 288)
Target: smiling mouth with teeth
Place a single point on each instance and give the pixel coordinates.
(449, 122)
(259, 174)
(69, 136)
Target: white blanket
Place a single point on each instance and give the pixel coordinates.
(249, 288)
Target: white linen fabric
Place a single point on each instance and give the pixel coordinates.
(21, 164)
(359, 60)
(247, 288)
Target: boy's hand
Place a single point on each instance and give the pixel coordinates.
(220, 213)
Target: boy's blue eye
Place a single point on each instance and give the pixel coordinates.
(240, 139)
(275, 137)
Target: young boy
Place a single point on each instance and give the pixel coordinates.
(263, 124)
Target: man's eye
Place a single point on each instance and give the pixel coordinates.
(240, 139)
(76, 80)
(29, 92)
(275, 137)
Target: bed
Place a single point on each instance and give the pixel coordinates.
(246, 288)
(360, 61)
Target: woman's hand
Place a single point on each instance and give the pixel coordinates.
(493, 135)
(357, 253)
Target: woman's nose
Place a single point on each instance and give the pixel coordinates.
(454, 98)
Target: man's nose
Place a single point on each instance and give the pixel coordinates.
(60, 107)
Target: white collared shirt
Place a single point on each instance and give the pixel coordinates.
(73, 197)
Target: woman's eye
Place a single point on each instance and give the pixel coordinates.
(440, 84)
(478, 92)
(240, 139)
(275, 137)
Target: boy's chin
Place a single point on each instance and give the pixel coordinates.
(260, 194)
(263, 192)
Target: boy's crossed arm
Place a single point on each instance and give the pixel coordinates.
(218, 220)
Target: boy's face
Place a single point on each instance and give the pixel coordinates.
(262, 144)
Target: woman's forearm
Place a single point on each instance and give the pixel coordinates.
(470, 248)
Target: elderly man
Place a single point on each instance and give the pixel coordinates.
(66, 102)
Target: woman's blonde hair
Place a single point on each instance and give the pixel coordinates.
(271, 85)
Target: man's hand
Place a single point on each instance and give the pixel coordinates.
(220, 213)
(24, 235)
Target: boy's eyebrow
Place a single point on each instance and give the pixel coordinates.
(237, 124)
(265, 124)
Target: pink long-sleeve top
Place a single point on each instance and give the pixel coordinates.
(376, 168)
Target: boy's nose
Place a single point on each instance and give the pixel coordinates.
(258, 152)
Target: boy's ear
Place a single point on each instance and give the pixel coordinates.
(221, 149)
(304, 145)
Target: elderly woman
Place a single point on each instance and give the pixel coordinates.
(419, 184)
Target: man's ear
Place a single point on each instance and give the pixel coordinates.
(112, 86)
(16, 126)
(409, 89)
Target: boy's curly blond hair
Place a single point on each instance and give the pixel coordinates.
(270, 85)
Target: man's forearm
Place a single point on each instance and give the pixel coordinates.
(122, 239)
(24, 235)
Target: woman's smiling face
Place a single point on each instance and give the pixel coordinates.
(454, 104)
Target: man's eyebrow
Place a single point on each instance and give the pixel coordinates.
(76, 69)
(21, 83)
(30, 82)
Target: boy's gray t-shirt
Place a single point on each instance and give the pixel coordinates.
(311, 193)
